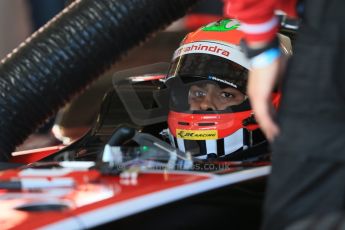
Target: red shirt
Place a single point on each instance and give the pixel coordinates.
(257, 17)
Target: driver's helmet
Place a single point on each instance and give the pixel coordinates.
(210, 115)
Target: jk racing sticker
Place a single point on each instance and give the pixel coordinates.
(196, 134)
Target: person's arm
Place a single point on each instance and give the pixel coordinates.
(260, 26)
(258, 21)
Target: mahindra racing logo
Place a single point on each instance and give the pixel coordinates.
(204, 47)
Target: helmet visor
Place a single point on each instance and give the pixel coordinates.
(203, 82)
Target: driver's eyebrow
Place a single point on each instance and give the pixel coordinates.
(201, 85)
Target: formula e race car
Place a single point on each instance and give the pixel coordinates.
(174, 146)
(125, 173)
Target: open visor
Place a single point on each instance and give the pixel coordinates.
(202, 82)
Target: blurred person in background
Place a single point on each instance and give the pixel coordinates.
(307, 178)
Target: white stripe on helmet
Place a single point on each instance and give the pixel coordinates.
(231, 53)
(233, 142)
(211, 146)
(180, 144)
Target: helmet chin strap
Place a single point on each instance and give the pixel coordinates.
(209, 148)
(249, 120)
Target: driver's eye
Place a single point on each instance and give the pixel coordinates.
(227, 95)
(197, 93)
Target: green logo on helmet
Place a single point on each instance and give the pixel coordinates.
(222, 25)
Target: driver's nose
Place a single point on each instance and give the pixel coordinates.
(207, 104)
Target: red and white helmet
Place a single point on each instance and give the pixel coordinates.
(210, 115)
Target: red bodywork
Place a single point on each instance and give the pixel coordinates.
(97, 199)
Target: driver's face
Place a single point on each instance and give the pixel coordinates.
(212, 97)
